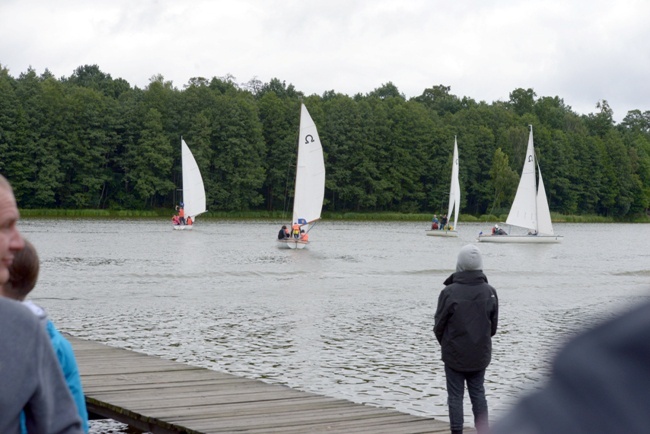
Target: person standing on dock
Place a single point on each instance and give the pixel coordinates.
(30, 376)
(23, 274)
(465, 321)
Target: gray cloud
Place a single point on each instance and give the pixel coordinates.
(582, 51)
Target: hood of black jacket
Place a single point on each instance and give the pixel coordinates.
(473, 277)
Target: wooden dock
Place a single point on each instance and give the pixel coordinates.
(162, 396)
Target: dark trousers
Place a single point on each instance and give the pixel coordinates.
(456, 389)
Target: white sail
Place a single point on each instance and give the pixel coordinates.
(310, 172)
(523, 212)
(454, 190)
(544, 225)
(193, 189)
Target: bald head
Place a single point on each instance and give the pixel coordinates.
(4, 183)
(10, 240)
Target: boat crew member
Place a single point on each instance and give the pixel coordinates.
(181, 215)
(443, 222)
(295, 230)
(304, 236)
(284, 233)
(434, 222)
(496, 230)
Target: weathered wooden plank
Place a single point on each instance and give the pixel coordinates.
(388, 425)
(164, 396)
(344, 421)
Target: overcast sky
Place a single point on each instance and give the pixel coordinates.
(580, 50)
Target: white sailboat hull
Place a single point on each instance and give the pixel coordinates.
(441, 233)
(183, 227)
(292, 244)
(521, 239)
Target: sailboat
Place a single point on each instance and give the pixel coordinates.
(193, 189)
(454, 201)
(530, 208)
(310, 182)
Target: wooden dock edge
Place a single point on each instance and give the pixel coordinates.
(160, 396)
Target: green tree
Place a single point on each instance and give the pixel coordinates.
(280, 120)
(237, 169)
(149, 163)
(86, 147)
(503, 179)
(439, 99)
(34, 155)
(600, 123)
(522, 101)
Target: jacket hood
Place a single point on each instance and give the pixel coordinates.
(467, 277)
(36, 309)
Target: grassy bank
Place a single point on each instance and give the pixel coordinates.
(279, 215)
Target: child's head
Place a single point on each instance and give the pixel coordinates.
(23, 273)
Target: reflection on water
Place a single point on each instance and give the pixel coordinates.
(351, 317)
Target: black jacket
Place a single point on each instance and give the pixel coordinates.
(465, 321)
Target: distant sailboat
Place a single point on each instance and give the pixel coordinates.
(193, 189)
(454, 201)
(530, 208)
(310, 181)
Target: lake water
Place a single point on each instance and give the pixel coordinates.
(350, 317)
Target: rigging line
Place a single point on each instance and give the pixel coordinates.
(289, 166)
(285, 206)
(311, 225)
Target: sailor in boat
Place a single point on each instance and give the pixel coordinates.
(443, 222)
(284, 233)
(181, 214)
(180, 218)
(496, 230)
(295, 230)
(189, 221)
(304, 236)
(434, 222)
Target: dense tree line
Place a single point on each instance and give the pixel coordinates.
(91, 141)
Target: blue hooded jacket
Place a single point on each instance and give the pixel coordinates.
(67, 361)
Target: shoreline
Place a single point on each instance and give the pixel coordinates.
(280, 216)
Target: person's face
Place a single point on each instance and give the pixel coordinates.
(10, 239)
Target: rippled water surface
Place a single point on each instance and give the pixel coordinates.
(351, 317)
